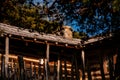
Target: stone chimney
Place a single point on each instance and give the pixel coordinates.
(67, 32)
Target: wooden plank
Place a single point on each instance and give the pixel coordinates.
(50, 42)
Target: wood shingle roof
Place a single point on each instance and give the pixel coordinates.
(13, 30)
(16, 31)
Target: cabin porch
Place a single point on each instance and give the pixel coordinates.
(28, 55)
(27, 60)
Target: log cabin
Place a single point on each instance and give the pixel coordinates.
(26, 55)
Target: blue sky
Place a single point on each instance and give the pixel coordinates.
(98, 19)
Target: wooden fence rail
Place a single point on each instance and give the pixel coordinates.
(21, 68)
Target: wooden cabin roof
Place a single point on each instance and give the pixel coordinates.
(16, 31)
(13, 30)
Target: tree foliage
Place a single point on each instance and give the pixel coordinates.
(94, 16)
(90, 16)
(23, 13)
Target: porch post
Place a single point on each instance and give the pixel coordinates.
(47, 61)
(83, 64)
(47, 52)
(89, 74)
(58, 69)
(111, 64)
(102, 68)
(117, 65)
(6, 54)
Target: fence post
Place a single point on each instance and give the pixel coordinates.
(2, 67)
(21, 67)
(101, 68)
(111, 67)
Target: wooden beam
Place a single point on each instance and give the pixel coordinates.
(58, 70)
(47, 52)
(83, 61)
(44, 42)
(47, 61)
(6, 55)
(46, 69)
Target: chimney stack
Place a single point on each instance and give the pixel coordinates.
(67, 32)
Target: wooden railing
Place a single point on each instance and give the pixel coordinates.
(24, 68)
(19, 68)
